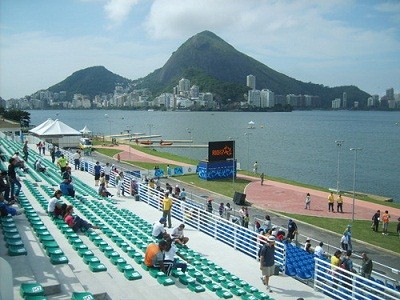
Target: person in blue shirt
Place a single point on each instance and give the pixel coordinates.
(97, 171)
(67, 188)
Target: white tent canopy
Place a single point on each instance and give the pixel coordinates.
(85, 130)
(43, 125)
(54, 128)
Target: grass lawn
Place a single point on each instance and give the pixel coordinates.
(108, 152)
(361, 230)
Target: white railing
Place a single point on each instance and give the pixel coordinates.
(342, 284)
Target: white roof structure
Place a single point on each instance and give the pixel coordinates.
(85, 130)
(55, 128)
(43, 125)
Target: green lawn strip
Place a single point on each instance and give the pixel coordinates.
(229, 189)
(361, 230)
(107, 152)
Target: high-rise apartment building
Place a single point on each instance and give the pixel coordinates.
(390, 94)
(267, 98)
(251, 81)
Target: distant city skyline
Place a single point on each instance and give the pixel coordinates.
(333, 42)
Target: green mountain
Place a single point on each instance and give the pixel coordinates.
(90, 81)
(216, 66)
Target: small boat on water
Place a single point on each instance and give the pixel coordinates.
(148, 142)
(163, 143)
(251, 125)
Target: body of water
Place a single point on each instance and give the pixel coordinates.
(299, 146)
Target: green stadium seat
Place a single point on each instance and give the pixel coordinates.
(58, 259)
(197, 288)
(82, 296)
(97, 267)
(131, 274)
(31, 289)
(16, 251)
(224, 294)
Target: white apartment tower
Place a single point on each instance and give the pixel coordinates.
(251, 81)
(184, 85)
(267, 98)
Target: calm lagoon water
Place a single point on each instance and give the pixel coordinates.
(299, 145)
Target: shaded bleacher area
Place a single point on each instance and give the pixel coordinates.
(108, 263)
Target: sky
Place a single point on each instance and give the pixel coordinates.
(329, 42)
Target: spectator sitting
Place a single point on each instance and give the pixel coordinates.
(67, 188)
(6, 210)
(159, 231)
(19, 162)
(60, 210)
(53, 202)
(170, 252)
(307, 245)
(154, 257)
(178, 236)
(103, 190)
(67, 174)
(319, 251)
(267, 224)
(75, 222)
(39, 167)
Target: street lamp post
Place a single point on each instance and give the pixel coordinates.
(248, 149)
(189, 130)
(354, 178)
(233, 160)
(129, 139)
(109, 120)
(339, 148)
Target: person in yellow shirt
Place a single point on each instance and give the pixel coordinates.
(167, 206)
(331, 201)
(335, 262)
(339, 202)
(62, 162)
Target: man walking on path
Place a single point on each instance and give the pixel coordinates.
(267, 261)
(262, 178)
(366, 266)
(308, 201)
(331, 201)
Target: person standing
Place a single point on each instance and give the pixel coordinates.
(262, 178)
(39, 146)
(366, 266)
(228, 211)
(62, 162)
(44, 148)
(25, 150)
(77, 159)
(331, 201)
(107, 172)
(375, 220)
(292, 230)
(97, 172)
(385, 221)
(52, 153)
(12, 176)
(347, 233)
(118, 157)
(347, 264)
(221, 209)
(209, 205)
(308, 201)
(339, 202)
(167, 206)
(335, 264)
(255, 167)
(267, 261)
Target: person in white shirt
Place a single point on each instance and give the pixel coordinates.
(159, 231)
(319, 251)
(169, 257)
(178, 236)
(53, 202)
(107, 171)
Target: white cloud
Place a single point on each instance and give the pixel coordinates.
(118, 10)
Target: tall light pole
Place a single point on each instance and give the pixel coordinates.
(354, 178)
(233, 160)
(248, 149)
(189, 130)
(109, 120)
(339, 148)
(150, 126)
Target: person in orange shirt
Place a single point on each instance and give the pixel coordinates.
(154, 257)
(385, 221)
